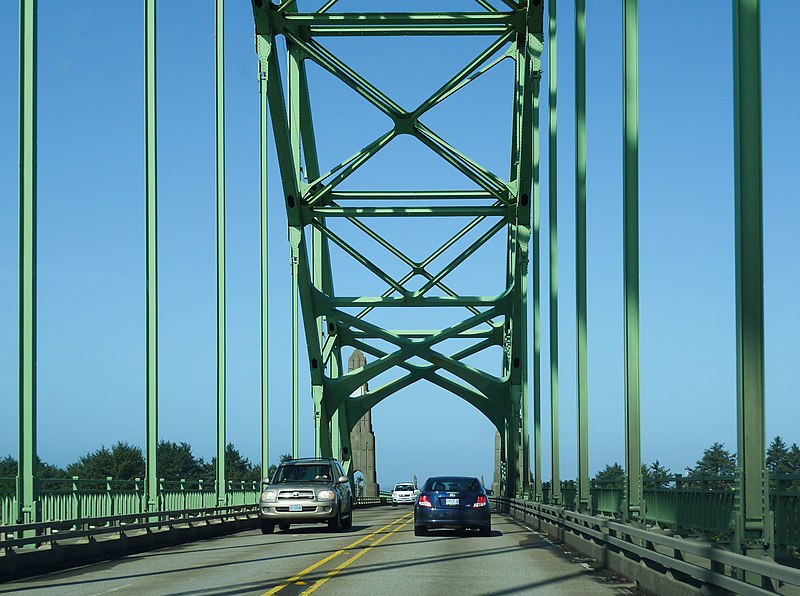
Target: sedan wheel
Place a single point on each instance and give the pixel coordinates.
(486, 531)
(420, 531)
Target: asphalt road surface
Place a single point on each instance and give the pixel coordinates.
(379, 555)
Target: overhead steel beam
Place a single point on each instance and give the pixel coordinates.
(312, 198)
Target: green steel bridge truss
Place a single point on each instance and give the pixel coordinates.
(314, 200)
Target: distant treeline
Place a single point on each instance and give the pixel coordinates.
(175, 461)
(716, 462)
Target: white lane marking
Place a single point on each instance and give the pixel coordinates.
(113, 590)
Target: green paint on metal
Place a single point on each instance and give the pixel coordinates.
(633, 457)
(752, 518)
(221, 334)
(263, 82)
(312, 197)
(151, 216)
(555, 483)
(583, 501)
(27, 493)
(537, 332)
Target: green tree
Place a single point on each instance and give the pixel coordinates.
(782, 459)
(176, 461)
(237, 467)
(655, 475)
(122, 462)
(716, 461)
(8, 469)
(611, 475)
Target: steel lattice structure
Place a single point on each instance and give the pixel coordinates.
(314, 199)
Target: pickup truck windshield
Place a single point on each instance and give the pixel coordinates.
(304, 473)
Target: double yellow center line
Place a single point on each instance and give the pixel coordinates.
(399, 524)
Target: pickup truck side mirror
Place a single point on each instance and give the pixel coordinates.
(417, 492)
(265, 481)
(342, 480)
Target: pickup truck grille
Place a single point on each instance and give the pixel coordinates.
(296, 494)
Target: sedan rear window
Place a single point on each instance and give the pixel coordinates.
(453, 484)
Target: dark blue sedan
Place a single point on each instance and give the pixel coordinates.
(456, 502)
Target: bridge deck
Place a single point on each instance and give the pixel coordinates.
(388, 559)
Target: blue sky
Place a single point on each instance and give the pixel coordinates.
(91, 231)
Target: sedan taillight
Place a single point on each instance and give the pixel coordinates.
(480, 502)
(424, 501)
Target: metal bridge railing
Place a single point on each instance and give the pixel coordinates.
(696, 505)
(704, 562)
(75, 498)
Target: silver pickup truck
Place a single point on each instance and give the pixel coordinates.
(306, 491)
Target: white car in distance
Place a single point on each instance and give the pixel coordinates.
(405, 492)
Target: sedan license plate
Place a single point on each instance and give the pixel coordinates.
(295, 507)
(451, 501)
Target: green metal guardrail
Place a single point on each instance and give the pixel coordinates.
(701, 505)
(704, 562)
(75, 498)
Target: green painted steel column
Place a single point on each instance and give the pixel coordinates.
(537, 332)
(753, 522)
(582, 500)
(264, 195)
(633, 457)
(294, 239)
(552, 182)
(221, 349)
(151, 215)
(27, 493)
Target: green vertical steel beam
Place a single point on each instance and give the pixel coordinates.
(27, 506)
(151, 215)
(633, 456)
(552, 73)
(294, 240)
(582, 501)
(753, 526)
(264, 196)
(537, 326)
(221, 348)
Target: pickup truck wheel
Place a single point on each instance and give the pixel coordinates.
(284, 526)
(347, 522)
(267, 527)
(335, 523)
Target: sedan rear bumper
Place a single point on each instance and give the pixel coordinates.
(456, 518)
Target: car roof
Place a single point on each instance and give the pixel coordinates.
(450, 478)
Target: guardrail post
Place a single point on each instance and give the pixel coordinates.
(76, 500)
(183, 492)
(137, 490)
(109, 496)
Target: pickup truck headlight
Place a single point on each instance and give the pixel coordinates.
(268, 495)
(326, 495)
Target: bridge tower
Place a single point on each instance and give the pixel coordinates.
(327, 217)
(362, 437)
